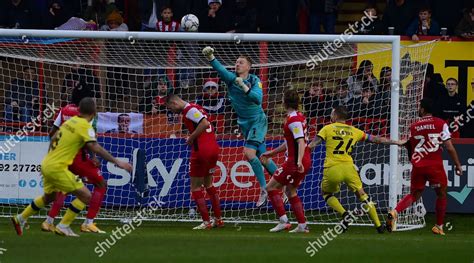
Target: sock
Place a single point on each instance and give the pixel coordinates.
(277, 202)
(33, 208)
(406, 201)
(303, 225)
(283, 219)
(440, 210)
(57, 205)
(75, 208)
(198, 197)
(49, 220)
(96, 201)
(88, 221)
(216, 206)
(271, 167)
(334, 203)
(257, 169)
(298, 210)
(370, 206)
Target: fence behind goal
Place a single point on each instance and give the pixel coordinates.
(130, 74)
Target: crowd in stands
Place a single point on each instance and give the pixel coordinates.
(361, 92)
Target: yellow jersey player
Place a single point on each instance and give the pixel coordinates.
(339, 167)
(71, 137)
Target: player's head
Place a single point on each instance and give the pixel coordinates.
(291, 99)
(426, 107)
(166, 13)
(339, 114)
(123, 121)
(77, 95)
(243, 64)
(175, 103)
(87, 107)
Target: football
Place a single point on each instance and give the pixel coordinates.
(190, 23)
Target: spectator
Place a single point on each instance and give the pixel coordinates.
(211, 100)
(114, 22)
(98, 11)
(385, 84)
(398, 14)
(423, 26)
(451, 106)
(374, 27)
(465, 27)
(217, 20)
(123, 124)
(166, 24)
(22, 100)
(323, 12)
(341, 96)
(363, 75)
(81, 79)
(164, 88)
(268, 17)
(434, 88)
(245, 17)
(315, 102)
(19, 14)
(56, 15)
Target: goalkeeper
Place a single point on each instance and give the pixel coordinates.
(245, 93)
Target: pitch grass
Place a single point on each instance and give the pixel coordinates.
(247, 243)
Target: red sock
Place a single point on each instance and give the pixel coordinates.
(198, 197)
(406, 201)
(57, 205)
(277, 202)
(96, 202)
(216, 206)
(440, 210)
(298, 210)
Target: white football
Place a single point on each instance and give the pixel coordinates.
(190, 23)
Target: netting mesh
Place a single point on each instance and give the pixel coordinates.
(130, 78)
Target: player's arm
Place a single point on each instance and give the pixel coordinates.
(202, 126)
(301, 150)
(269, 154)
(382, 140)
(454, 155)
(94, 147)
(56, 124)
(224, 74)
(255, 92)
(315, 142)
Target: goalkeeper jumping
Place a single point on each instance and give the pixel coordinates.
(245, 93)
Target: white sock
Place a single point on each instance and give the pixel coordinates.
(62, 225)
(302, 225)
(50, 220)
(440, 226)
(88, 221)
(283, 219)
(20, 219)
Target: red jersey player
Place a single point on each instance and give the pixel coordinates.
(426, 137)
(204, 155)
(84, 167)
(296, 166)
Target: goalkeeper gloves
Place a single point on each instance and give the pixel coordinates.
(240, 82)
(208, 52)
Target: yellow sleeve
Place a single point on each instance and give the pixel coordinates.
(88, 133)
(323, 133)
(360, 135)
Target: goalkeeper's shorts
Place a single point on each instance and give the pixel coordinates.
(254, 131)
(335, 175)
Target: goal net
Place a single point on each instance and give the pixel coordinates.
(130, 74)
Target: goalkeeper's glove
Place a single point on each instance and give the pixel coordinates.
(208, 52)
(240, 82)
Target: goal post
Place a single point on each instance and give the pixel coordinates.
(127, 69)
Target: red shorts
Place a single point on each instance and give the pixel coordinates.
(433, 174)
(85, 168)
(288, 173)
(202, 165)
